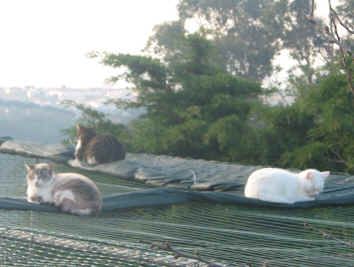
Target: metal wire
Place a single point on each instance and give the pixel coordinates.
(228, 234)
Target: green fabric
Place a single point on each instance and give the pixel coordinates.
(224, 227)
(334, 195)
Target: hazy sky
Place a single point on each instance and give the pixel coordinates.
(44, 43)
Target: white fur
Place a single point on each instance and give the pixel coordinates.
(82, 211)
(74, 162)
(278, 185)
(90, 160)
(78, 147)
(61, 195)
(44, 191)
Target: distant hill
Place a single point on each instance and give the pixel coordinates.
(32, 122)
(22, 104)
(53, 97)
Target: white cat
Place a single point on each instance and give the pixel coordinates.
(282, 186)
(71, 192)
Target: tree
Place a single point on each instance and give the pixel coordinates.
(190, 99)
(304, 39)
(240, 30)
(345, 10)
(250, 33)
(317, 131)
(341, 18)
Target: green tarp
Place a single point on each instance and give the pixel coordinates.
(211, 216)
(179, 180)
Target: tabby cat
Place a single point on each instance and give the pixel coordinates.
(95, 149)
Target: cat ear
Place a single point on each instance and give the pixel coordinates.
(29, 167)
(325, 174)
(309, 175)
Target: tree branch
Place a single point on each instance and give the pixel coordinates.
(338, 161)
(334, 37)
(329, 236)
(167, 247)
(340, 158)
(341, 22)
(333, 17)
(312, 8)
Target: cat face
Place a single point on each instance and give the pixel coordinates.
(313, 181)
(39, 175)
(85, 134)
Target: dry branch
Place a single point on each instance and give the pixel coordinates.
(166, 246)
(350, 30)
(334, 18)
(329, 236)
(333, 35)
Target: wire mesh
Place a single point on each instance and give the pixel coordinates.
(227, 234)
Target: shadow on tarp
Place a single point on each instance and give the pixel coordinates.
(168, 196)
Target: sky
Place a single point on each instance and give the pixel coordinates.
(44, 43)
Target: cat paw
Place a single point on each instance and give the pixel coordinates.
(87, 165)
(35, 200)
(74, 163)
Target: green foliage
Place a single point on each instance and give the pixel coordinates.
(312, 155)
(154, 70)
(318, 130)
(185, 139)
(195, 108)
(93, 118)
(285, 129)
(250, 33)
(243, 31)
(144, 136)
(225, 135)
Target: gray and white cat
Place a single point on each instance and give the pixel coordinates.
(71, 192)
(282, 186)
